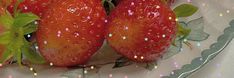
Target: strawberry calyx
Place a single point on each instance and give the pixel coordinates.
(15, 27)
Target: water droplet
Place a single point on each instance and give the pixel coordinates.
(130, 12)
(71, 10)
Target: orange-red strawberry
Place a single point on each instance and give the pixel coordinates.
(71, 31)
(141, 30)
(35, 6)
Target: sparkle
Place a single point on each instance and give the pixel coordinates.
(220, 14)
(130, 12)
(85, 71)
(35, 74)
(36, 47)
(79, 76)
(71, 10)
(170, 18)
(142, 57)
(228, 11)
(135, 57)
(201, 59)
(92, 67)
(132, 3)
(157, 6)
(106, 21)
(176, 19)
(25, 7)
(31, 69)
(198, 44)
(45, 42)
(110, 35)
(172, 72)
(51, 64)
(10, 76)
(146, 39)
(125, 76)
(110, 75)
(77, 34)
(155, 67)
(35, 22)
(163, 35)
(185, 40)
(126, 28)
(124, 37)
(59, 33)
(88, 17)
(203, 4)
(0, 64)
(67, 29)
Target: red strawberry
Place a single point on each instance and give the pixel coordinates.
(141, 30)
(35, 6)
(71, 31)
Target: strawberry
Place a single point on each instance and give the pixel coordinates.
(71, 31)
(141, 30)
(35, 6)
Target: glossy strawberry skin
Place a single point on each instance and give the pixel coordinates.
(35, 6)
(71, 31)
(141, 30)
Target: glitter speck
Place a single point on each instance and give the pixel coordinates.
(170, 18)
(130, 12)
(146, 39)
(163, 35)
(135, 57)
(51, 64)
(124, 37)
(110, 75)
(28, 36)
(125, 76)
(67, 29)
(132, 3)
(198, 44)
(85, 71)
(228, 11)
(126, 28)
(155, 67)
(0, 65)
(110, 35)
(35, 74)
(45, 42)
(220, 14)
(142, 57)
(92, 67)
(106, 21)
(31, 69)
(71, 10)
(157, 6)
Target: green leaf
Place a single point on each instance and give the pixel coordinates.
(7, 54)
(109, 6)
(197, 30)
(182, 32)
(32, 55)
(174, 49)
(121, 62)
(185, 10)
(5, 38)
(19, 57)
(30, 28)
(6, 21)
(24, 19)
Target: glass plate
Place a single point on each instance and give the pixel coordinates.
(217, 17)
